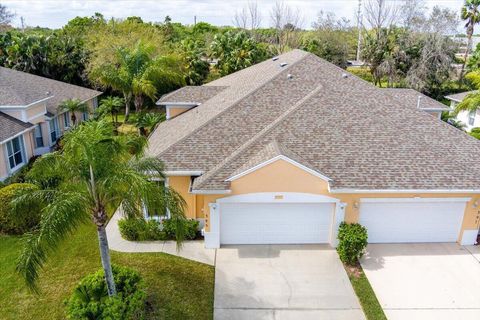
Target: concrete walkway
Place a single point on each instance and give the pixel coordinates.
(283, 282)
(193, 250)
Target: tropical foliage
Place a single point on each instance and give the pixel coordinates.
(73, 106)
(97, 170)
(90, 298)
(18, 221)
(110, 105)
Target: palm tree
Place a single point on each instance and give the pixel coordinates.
(471, 102)
(146, 122)
(98, 171)
(72, 106)
(471, 14)
(110, 105)
(137, 74)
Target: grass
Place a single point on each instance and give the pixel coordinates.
(370, 305)
(177, 288)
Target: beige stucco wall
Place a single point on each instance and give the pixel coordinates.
(28, 144)
(36, 112)
(281, 176)
(14, 113)
(3, 163)
(173, 112)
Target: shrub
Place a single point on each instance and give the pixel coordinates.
(21, 220)
(352, 242)
(141, 230)
(191, 228)
(90, 300)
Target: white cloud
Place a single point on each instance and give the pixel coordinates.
(55, 13)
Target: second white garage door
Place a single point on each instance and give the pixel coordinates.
(388, 221)
(275, 223)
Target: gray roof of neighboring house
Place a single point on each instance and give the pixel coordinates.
(411, 97)
(190, 95)
(458, 97)
(358, 135)
(22, 88)
(10, 126)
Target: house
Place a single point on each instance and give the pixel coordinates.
(282, 152)
(30, 122)
(470, 119)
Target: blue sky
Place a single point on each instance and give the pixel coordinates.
(55, 13)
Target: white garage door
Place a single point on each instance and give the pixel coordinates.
(390, 222)
(275, 223)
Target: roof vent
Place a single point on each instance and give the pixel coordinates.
(344, 75)
(274, 58)
(283, 64)
(289, 76)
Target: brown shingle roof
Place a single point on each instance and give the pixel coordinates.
(358, 135)
(190, 95)
(458, 97)
(21, 88)
(10, 126)
(411, 98)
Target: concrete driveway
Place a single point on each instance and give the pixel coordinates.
(425, 281)
(282, 282)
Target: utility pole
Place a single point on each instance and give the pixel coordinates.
(359, 28)
(22, 21)
(194, 21)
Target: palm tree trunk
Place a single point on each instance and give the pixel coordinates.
(105, 256)
(126, 97)
(74, 118)
(467, 51)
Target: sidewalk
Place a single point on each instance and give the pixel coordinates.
(193, 250)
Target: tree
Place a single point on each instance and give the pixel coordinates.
(197, 68)
(236, 51)
(471, 103)
(73, 106)
(137, 74)
(451, 119)
(5, 18)
(99, 171)
(110, 105)
(146, 122)
(470, 14)
(287, 24)
(331, 39)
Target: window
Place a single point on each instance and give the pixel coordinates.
(471, 118)
(38, 136)
(66, 119)
(164, 214)
(85, 116)
(53, 124)
(15, 153)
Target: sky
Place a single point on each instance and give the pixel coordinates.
(56, 13)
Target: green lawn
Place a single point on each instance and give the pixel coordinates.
(177, 288)
(370, 305)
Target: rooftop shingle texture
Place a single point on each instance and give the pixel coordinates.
(411, 98)
(358, 135)
(240, 85)
(10, 126)
(21, 88)
(193, 95)
(458, 97)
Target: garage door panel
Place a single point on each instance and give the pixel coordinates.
(275, 223)
(412, 221)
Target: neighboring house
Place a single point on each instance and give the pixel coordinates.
(30, 123)
(284, 151)
(470, 119)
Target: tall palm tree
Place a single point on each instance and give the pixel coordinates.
(97, 170)
(138, 74)
(471, 14)
(110, 105)
(72, 106)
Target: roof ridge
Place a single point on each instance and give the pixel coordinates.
(248, 94)
(261, 133)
